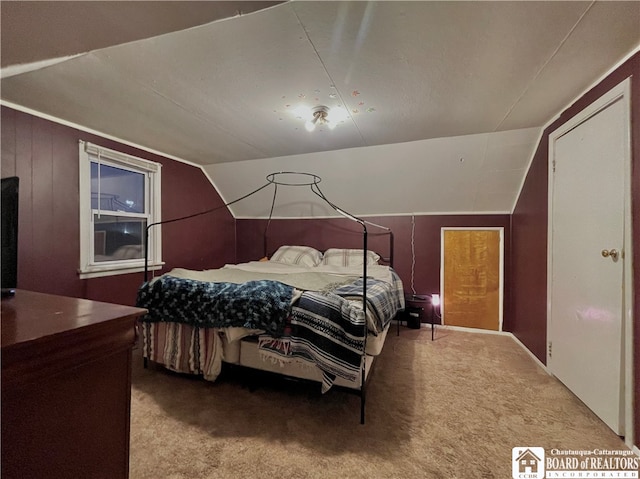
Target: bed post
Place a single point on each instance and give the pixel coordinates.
(146, 254)
(363, 397)
(363, 373)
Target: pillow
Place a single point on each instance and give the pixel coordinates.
(300, 255)
(348, 257)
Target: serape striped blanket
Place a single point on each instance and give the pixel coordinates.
(326, 329)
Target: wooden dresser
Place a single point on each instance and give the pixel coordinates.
(66, 387)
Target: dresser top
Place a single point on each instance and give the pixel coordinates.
(29, 316)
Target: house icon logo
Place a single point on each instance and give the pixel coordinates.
(527, 462)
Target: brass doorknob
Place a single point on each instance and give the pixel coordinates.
(612, 253)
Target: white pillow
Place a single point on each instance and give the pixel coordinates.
(348, 257)
(300, 255)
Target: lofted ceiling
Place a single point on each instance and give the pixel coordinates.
(444, 100)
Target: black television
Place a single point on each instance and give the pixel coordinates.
(9, 235)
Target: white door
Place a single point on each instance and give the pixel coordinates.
(587, 244)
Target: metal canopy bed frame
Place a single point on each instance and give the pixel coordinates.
(300, 179)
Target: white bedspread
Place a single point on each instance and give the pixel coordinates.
(379, 272)
(315, 278)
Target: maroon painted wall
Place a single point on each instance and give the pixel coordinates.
(529, 257)
(529, 223)
(326, 233)
(44, 155)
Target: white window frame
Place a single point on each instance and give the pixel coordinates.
(89, 268)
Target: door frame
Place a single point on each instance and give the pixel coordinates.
(622, 92)
(501, 266)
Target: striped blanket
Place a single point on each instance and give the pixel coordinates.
(328, 330)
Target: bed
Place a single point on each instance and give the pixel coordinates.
(300, 314)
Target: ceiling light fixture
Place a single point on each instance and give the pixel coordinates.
(320, 115)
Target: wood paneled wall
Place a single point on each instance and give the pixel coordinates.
(44, 155)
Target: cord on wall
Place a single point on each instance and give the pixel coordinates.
(413, 253)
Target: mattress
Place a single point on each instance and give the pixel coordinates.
(190, 350)
(173, 345)
(250, 357)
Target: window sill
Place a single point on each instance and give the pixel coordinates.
(113, 270)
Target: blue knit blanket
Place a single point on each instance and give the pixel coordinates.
(259, 304)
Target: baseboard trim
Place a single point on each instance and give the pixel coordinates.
(467, 330)
(499, 333)
(533, 356)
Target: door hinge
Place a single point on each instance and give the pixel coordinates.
(550, 349)
(553, 165)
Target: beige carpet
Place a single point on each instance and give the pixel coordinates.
(452, 408)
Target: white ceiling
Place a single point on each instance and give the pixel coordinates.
(445, 99)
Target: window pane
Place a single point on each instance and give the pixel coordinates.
(117, 238)
(120, 189)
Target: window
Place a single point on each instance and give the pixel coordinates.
(119, 197)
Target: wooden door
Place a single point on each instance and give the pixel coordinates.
(472, 278)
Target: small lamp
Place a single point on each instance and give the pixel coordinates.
(435, 299)
(435, 304)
